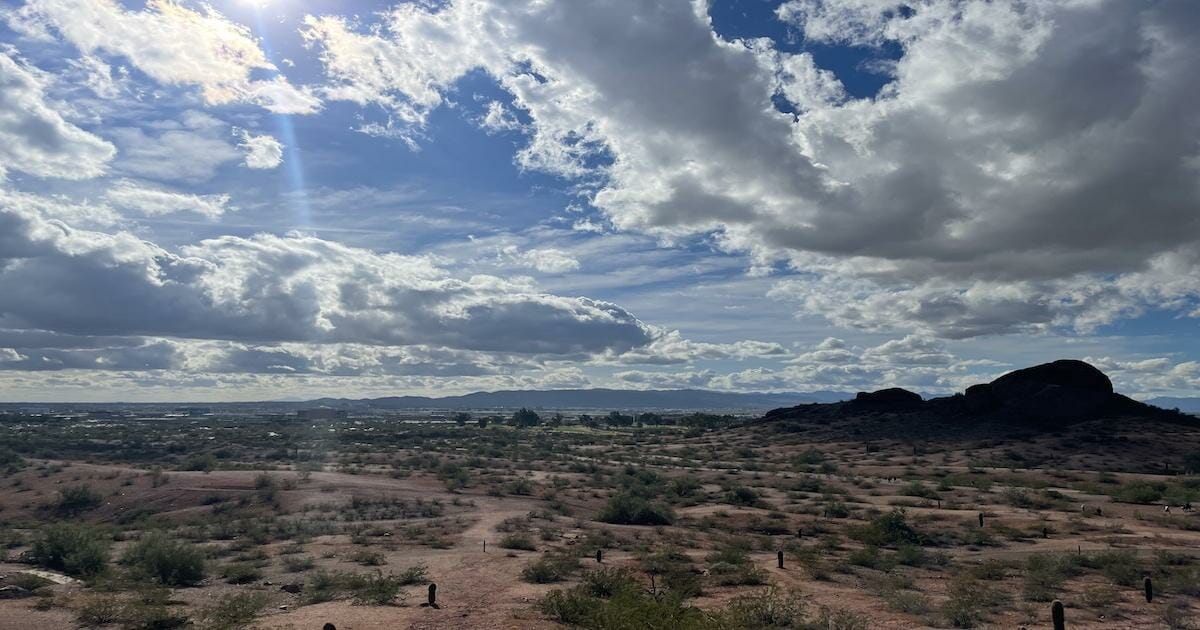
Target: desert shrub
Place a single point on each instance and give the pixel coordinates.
(606, 582)
(366, 589)
(1184, 581)
(416, 574)
(770, 609)
(887, 530)
(685, 486)
(369, 558)
(1044, 575)
(75, 499)
(914, 556)
(323, 586)
(626, 508)
(517, 541)
(920, 490)
(741, 495)
(1122, 567)
(145, 610)
(549, 568)
(373, 590)
(1139, 492)
(871, 558)
(241, 573)
(969, 602)
(232, 612)
(910, 602)
(628, 607)
(10, 461)
(171, 562)
(296, 564)
(1104, 600)
(72, 549)
(673, 571)
(99, 610)
(731, 566)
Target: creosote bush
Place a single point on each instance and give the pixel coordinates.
(171, 562)
(626, 508)
(73, 549)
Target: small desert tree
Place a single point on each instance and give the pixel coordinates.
(526, 418)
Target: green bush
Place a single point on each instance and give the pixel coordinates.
(1140, 492)
(296, 564)
(741, 495)
(232, 612)
(241, 573)
(629, 509)
(374, 590)
(171, 562)
(75, 499)
(72, 549)
(550, 568)
(887, 530)
(517, 541)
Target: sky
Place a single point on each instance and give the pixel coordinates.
(266, 199)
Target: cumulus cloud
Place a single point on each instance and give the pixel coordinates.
(171, 44)
(1020, 148)
(188, 150)
(35, 138)
(912, 361)
(152, 201)
(545, 260)
(262, 151)
(270, 289)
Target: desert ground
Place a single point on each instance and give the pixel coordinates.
(227, 522)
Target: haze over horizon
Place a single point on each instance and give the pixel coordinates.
(256, 200)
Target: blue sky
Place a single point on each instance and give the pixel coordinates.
(266, 199)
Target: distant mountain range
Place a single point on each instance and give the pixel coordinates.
(599, 399)
(617, 399)
(1186, 405)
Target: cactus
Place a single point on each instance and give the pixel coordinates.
(1058, 615)
(1148, 586)
(981, 519)
(328, 626)
(779, 558)
(432, 595)
(599, 556)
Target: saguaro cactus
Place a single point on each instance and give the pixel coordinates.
(599, 556)
(981, 519)
(779, 557)
(1058, 615)
(1148, 586)
(432, 595)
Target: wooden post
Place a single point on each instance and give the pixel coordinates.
(599, 556)
(432, 595)
(1149, 588)
(779, 557)
(981, 519)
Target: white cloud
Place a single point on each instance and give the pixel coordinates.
(173, 45)
(1026, 148)
(544, 260)
(190, 150)
(34, 136)
(270, 289)
(262, 151)
(152, 201)
(99, 77)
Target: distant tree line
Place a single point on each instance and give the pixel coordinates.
(525, 417)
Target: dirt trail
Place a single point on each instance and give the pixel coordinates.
(476, 589)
